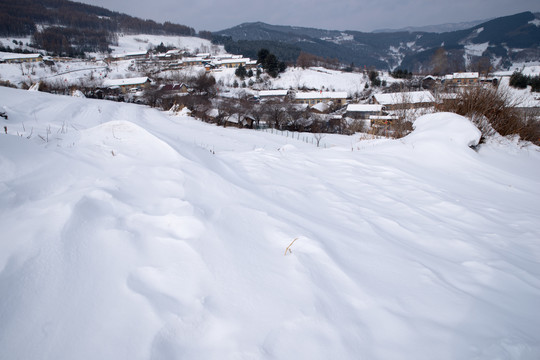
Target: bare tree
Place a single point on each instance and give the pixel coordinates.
(274, 110)
(482, 65)
(316, 129)
(439, 62)
(318, 137)
(298, 117)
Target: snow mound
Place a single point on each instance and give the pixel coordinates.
(125, 139)
(287, 147)
(166, 250)
(78, 93)
(444, 128)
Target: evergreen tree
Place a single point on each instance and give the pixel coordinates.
(535, 83)
(241, 72)
(261, 57)
(271, 65)
(518, 80)
(374, 78)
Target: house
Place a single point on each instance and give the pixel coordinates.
(223, 56)
(446, 99)
(234, 62)
(179, 88)
(429, 82)
(251, 64)
(273, 94)
(211, 115)
(404, 100)
(10, 58)
(194, 61)
(321, 108)
(462, 79)
(127, 84)
(336, 124)
(314, 97)
(174, 54)
(240, 121)
(364, 111)
(209, 66)
(130, 56)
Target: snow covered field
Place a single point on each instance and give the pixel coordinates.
(143, 42)
(128, 233)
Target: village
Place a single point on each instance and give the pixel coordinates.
(251, 188)
(232, 90)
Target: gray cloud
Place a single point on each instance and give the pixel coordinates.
(363, 15)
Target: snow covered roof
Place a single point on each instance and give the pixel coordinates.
(193, 59)
(263, 93)
(322, 107)
(234, 61)
(130, 54)
(383, 117)
(13, 56)
(126, 82)
(235, 118)
(321, 95)
(364, 108)
(465, 75)
(411, 97)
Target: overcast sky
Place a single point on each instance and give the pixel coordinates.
(363, 15)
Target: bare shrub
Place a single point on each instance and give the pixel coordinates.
(494, 109)
(400, 128)
(358, 126)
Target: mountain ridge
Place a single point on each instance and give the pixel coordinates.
(436, 28)
(509, 39)
(69, 28)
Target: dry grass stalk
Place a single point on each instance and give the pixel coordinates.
(288, 247)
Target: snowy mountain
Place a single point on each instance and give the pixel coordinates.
(504, 40)
(440, 28)
(133, 233)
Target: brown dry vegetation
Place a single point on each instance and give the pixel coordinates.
(494, 109)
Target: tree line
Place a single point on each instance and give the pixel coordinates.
(20, 18)
(521, 81)
(72, 42)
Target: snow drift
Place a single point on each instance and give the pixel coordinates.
(130, 233)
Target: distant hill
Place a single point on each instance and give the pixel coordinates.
(72, 28)
(500, 41)
(440, 28)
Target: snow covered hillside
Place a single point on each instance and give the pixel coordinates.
(92, 72)
(129, 233)
(133, 43)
